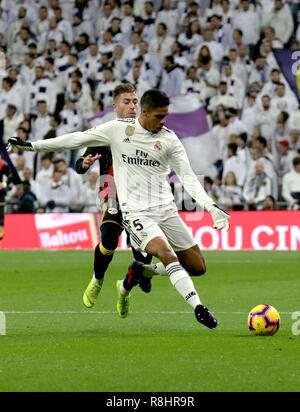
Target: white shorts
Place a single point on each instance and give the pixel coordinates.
(165, 222)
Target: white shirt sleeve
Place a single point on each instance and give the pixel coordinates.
(97, 136)
(179, 162)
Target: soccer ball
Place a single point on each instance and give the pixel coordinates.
(263, 320)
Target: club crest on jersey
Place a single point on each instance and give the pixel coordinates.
(143, 234)
(157, 145)
(112, 210)
(129, 130)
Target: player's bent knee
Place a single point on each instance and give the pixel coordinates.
(110, 233)
(199, 270)
(166, 256)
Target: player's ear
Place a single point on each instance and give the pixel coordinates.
(144, 111)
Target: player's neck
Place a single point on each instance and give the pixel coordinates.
(143, 123)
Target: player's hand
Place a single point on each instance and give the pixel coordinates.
(219, 216)
(89, 160)
(19, 144)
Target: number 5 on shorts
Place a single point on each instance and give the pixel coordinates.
(137, 224)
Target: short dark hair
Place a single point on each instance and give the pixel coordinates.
(123, 88)
(262, 140)
(154, 98)
(233, 147)
(48, 59)
(243, 136)
(296, 161)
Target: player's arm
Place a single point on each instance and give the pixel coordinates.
(179, 162)
(87, 159)
(98, 136)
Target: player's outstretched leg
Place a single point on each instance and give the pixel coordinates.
(91, 293)
(123, 299)
(102, 258)
(204, 316)
(104, 252)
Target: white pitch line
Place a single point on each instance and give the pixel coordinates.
(71, 312)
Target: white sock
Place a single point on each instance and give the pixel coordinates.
(156, 269)
(183, 283)
(123, 291)
(100, 281)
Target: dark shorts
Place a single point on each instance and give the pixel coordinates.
(112, 215)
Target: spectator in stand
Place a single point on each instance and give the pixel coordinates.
(42, 88)
(162, 42)
(284, 158)
(46, 170)
(73, 181)
(269, 87)
(270, 35)
(42, 23)
(8, 96)
(266, 118)
(172, 77)
(250, 113)
(234, 163)
(169, 16)
(243, 150)
(104, 18)
(269, 203)
(247, 19)
(135, 77)
(235, 86)
(291, 185)
(105, 88)
(83, 99)
(208, 73)
(280, 18)
(10, 122)
(257, 187)
(191, 37)
(56, 196)
(191, 84)
(133, 50)
(224, 98)
(215, 48)
(81, 26)
(222, 32)
(230, 193)
(41, 124)
(283, 101)
(127, 17)
(27, 199)
(281, 127)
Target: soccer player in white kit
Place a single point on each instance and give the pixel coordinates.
(143, 151)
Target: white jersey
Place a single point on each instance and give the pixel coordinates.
(141, 160)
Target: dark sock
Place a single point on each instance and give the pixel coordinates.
(101, 262)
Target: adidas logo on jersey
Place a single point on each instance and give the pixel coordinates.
(126, 140)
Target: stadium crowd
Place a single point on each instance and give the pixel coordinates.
(61, 60)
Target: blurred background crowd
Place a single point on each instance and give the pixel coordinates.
(61, 60)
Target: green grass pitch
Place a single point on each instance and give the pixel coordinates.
(54, 344)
